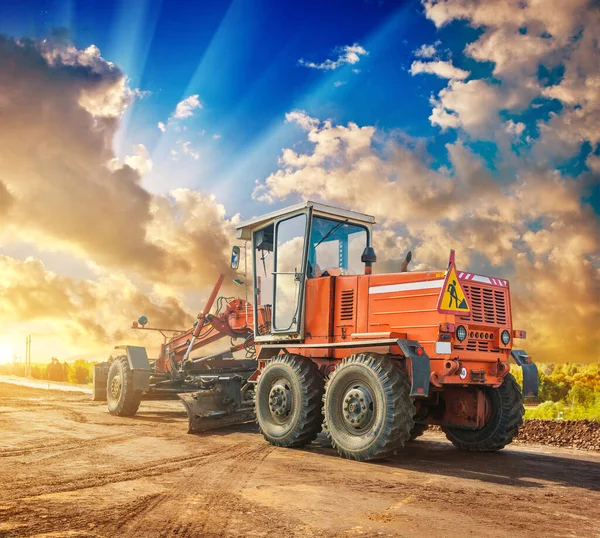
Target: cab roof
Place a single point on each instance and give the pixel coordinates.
(245, 229)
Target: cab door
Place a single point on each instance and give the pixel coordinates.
(289, 275)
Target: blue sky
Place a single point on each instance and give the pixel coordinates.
(242, 59)
(486, 141)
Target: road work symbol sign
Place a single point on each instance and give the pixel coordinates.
(452, 297)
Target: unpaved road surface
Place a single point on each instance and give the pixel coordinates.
(67, 468)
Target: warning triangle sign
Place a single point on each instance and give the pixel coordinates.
(452, 297)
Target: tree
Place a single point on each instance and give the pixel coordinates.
(56, 371)
(80, 372)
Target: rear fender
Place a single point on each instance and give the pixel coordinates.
(140, 366)
(420, 366)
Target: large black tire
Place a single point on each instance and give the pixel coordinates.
(506, 418)
(368, 409)
(288, 400)
(122, 400)
(417, 430)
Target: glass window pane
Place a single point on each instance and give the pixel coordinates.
(263, 244)
(288, 273)
(336, 248)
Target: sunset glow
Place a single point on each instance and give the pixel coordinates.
(127, 155)
(7, 353)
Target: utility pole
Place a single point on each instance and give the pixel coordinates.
(28, 356)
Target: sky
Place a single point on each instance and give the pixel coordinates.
(135, 135)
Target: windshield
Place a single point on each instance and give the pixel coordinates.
(335, 248)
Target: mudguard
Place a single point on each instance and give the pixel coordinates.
(140, 366)
(531, 380)
(420, 365)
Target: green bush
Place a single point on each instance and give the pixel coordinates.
(80, 372)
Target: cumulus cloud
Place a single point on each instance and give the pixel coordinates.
(439, 68)
(489, 222)
(162, 126)
(185, 108)
(349, 54)
(518, 38)
(473, 106)
(63, 189)
(90, 315)
(139, 161)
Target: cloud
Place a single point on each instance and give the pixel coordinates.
(185, 108)
(90, 315)
(216, 136)
(185, 148)
(349, 54)
(339, 83)
(439, 68)
(494, 225)
(473, 106)
(426, 51)
(6, 200)
(139, 161)
(162, 126)
(62, 187)
(514, 128)
(518, 40)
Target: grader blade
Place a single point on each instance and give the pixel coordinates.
(223, 402)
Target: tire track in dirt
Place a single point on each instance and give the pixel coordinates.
(60, 447)
(181, 511)
(30, 407)
(48, 486)
(29, 519)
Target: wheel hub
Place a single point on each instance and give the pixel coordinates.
(280, 401)
(357, 407)
(115, 387)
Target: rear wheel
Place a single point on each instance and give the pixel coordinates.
(122, 400)
(506, 417)
(368, 409)
(288, 401)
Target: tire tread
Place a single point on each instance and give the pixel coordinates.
(511, 419)
(399, 420)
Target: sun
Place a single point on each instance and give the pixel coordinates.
(6, 353)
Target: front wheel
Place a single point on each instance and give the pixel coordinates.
(506, 417)
(122, 400)
(288, 401)
(368, 408)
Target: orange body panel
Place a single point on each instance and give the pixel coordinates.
(406, 303)
(318, 321)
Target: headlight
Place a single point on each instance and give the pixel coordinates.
(461, 333)
(505, 337)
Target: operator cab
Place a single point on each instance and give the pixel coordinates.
(308, 240)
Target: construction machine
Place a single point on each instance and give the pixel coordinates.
(370, 359)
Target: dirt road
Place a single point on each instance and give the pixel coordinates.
(67, 468)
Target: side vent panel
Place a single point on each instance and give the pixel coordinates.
(347, 305)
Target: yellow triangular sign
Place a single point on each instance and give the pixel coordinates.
(452, 297)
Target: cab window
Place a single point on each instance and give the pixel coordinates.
(336, 248)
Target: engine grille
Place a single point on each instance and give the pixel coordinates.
(347, 306)
(488, 305)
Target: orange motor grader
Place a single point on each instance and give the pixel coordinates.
(372, 359)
